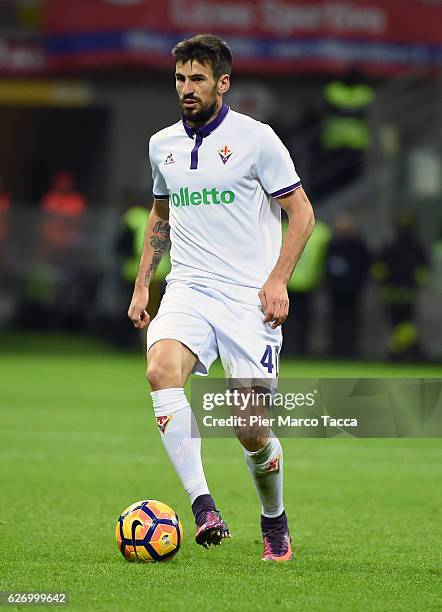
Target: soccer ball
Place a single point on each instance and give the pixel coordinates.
(149, 531)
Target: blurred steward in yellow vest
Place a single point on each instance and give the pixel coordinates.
(346, 125)
(402, 268)
(135, 220)
(129, 247)
(306, 278)
(345, 131)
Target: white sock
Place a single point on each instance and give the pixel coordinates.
(176, 423)
(265, 466)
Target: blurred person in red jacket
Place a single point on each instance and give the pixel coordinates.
(5, 205)
(5, 198)
(62, 199)
(64, 207)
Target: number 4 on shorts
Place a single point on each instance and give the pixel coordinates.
(270, 359)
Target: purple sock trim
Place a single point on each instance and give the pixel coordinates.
(200, 506)
(279, 522)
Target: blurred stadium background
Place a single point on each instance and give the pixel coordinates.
(354, 89)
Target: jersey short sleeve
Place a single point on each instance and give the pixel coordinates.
(274, 166)
(160, 191)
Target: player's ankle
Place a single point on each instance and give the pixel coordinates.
(272, 522)
(201, 505)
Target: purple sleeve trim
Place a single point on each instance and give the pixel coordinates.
(286, 190)
(161, 197)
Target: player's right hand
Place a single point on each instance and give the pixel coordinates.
(137, 310)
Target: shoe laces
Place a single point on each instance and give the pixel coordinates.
(207, 517)
(212, 515)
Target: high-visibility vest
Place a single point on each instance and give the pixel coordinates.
(349, 97)
(310, 268)
(346, 125)
(135, 219)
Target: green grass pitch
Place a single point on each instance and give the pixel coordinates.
(79, 443)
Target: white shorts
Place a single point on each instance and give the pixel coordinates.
(210, 324)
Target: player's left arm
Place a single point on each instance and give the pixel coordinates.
(273, 295)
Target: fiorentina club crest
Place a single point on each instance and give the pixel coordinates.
(163, 422)
(273, 465)
(225, 152)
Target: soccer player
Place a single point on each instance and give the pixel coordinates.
(219, 181)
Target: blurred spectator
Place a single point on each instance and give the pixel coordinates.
(436, 265)
(5, 198)
(129, 245)
(5, 204)
(348, 263)
(306, 278)
(64, 207)
(60, 279)
(62, 199)
(401, 268)
(130, 242)
(434, 306)
(345, 134)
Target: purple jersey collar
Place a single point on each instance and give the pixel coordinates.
(207, 129)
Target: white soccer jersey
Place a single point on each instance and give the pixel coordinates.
(220, 180)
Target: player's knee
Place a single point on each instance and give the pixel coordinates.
(252, 438)
(161, 375)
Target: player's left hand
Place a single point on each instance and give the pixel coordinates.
(275, 301)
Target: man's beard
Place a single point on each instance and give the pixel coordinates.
(199, 117)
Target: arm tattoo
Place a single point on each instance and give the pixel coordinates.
(160, 240)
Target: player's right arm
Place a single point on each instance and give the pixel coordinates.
(156, 242)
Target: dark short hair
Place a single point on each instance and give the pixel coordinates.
(205, 49)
